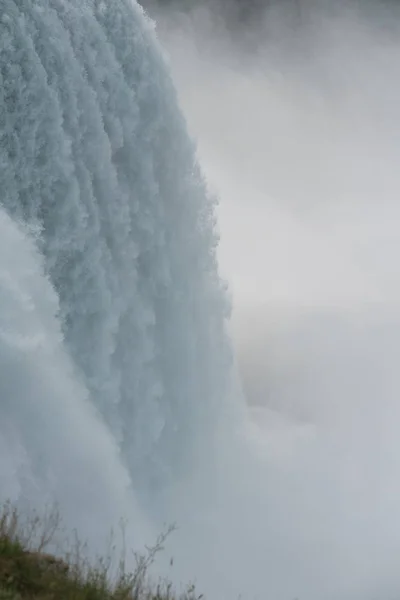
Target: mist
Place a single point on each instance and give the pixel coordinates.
(298, 132)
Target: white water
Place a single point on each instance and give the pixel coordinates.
(95, 151)
(115, 362)
(54, 446)
(115, 387)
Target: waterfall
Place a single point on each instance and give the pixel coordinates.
(95, 158)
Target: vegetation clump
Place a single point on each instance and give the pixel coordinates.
(29, 572)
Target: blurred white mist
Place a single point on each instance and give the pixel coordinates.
(299, 134)
(302, 142)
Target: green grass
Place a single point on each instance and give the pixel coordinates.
(28, 572)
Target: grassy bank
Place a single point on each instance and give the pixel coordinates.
(29, 572)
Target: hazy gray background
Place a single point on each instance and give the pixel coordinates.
(296, 113)
(299, 134)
